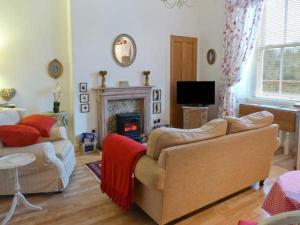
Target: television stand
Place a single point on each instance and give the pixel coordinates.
(194, 116)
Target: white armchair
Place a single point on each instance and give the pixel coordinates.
(54, 164)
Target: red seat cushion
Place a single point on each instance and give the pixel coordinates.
(247, 222)
(19, 135)
(41, 122)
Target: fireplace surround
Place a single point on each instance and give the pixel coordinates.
(115, 100)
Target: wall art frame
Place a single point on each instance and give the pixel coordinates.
(84, 98)
(156, 95)
(157, 108)
(83, 87)
(84, 108)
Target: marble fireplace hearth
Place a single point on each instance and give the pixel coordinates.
(114, 100)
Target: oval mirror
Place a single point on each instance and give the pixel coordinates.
(124, 50)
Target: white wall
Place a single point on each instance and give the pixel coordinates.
(211, 27)
(33, 33)
(95, 24)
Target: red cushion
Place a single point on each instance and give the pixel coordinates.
(19, 135)
(41, 122)
(247, 222)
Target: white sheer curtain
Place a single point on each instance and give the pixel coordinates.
(240, 33)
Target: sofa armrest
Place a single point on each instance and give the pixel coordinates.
(56, 134)
(59, 132)
(148, 173)
(44, 153)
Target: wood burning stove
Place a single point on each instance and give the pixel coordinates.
(129, 125)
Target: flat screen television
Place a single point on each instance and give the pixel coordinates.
(198, 93)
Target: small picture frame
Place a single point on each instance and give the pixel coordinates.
(156, 95)
(211, 56)
(84, 98)
(123, 84)
(84, 108)
(83, 87)
(157, 108)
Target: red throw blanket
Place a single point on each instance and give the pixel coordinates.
(119, 157)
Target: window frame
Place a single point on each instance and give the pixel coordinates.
(260, 62)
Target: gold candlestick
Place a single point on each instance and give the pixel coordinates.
(103, 73)
(146, 74)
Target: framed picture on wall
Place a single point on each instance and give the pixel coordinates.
(156, 95)
(157, 108)
(84, 98)
(84, 108)
(83, 87)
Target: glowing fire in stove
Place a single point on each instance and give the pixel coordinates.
(132, 126)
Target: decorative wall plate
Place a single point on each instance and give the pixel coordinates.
(211, 56)
(55, 69)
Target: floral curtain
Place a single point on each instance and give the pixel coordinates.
(240, 34)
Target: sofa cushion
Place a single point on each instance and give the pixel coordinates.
(41, 122)
(18, 135)
(9, 117)
(167, 137)
(249, 122)
(62, 148)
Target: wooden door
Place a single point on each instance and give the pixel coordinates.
(183, 68)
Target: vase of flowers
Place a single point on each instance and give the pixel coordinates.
(57, 95)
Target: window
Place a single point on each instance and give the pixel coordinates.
(279, 50)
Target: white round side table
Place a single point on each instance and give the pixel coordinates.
(15, 161)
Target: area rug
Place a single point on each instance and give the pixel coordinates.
(95, 169)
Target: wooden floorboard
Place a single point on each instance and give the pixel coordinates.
(83, 203)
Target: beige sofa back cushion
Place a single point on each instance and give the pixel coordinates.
(168, 137)
(249, 122)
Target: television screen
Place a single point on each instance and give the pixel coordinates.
(196, 92)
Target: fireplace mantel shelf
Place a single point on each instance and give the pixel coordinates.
(118, 90)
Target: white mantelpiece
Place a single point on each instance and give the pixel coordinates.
(105, 96)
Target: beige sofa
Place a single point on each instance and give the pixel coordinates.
(54, 164)
(185, 170)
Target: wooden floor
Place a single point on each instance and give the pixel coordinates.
(83, 203)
